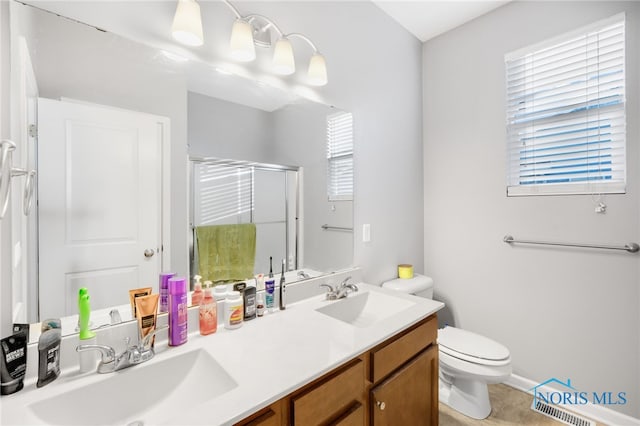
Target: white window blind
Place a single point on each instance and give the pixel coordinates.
(225, 192)
(340, 156)
(566, 113)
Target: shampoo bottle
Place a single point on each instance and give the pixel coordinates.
(208, 313)
(177, 311)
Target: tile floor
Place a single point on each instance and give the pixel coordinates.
(510, 407)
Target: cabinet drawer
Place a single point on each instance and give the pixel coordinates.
(392, 355)
(331, 397)
(268, 416)
(354, 416)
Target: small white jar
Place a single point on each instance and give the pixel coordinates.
(233, 310)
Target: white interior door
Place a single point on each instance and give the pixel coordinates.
(99, 207)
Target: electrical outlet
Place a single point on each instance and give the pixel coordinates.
(366, 233)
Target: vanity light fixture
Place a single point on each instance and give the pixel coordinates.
(187, 23)
(283, 62)
(247, 32)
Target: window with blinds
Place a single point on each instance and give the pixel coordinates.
(340, 156)
(566, 113)
(226, 194)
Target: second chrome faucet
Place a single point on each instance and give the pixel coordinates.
(341, 290)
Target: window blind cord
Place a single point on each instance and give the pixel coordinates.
(596, 197)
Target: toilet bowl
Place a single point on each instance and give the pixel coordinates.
(468, 361)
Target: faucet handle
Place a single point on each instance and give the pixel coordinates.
(147, 339)
(331, 292)
(345, 281)
(107, 353)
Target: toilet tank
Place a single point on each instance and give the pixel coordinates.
(419, 285)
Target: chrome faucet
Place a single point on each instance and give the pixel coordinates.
(341, 290)
(135, 354)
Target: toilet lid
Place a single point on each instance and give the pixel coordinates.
(457, 342)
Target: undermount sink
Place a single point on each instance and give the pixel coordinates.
(152, 393)
(365, 309)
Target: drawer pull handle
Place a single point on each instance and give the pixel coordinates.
(380, 405)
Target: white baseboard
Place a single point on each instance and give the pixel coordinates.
(594, 412)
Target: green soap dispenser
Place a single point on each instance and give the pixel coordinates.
(84, 309)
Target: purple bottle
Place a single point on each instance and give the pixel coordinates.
(164, 290)
(177, 311)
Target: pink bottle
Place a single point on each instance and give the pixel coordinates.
(208, 314)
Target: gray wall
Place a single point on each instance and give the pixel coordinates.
(300, 138)
(564, 313)
(222, 129)
(374, 72)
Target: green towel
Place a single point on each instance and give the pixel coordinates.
(226, 252)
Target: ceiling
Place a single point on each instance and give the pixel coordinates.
(429, 18)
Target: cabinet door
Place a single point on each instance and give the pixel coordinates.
(410, 395)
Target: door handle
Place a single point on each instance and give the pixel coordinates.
(149, 253)
(381, 405)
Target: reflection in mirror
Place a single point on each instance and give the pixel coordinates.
(72, 60)
(242, 216)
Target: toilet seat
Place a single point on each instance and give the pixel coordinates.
(471, 347)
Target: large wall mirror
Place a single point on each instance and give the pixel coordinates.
(77, 64)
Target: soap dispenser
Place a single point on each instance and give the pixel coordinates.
(196, 296)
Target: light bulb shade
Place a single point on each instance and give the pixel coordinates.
(241, 43)
(187, 23)
(283, 60)
(317, 73)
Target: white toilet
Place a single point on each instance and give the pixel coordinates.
(468, 361)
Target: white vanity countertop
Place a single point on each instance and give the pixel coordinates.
(268, 358)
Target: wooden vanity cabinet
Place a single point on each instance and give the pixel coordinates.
(395, 383)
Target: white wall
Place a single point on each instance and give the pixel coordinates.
(564, 313)
(5, 224)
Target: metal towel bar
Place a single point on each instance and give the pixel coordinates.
(630, 247)
(337, 228)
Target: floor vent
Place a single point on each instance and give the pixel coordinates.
(559, 414)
